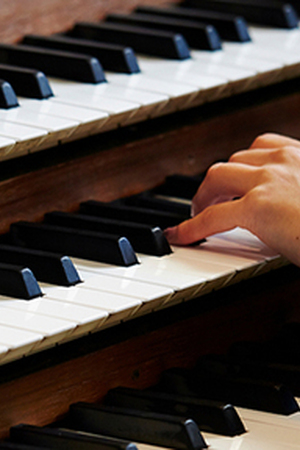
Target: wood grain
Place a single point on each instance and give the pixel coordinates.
(18, 18)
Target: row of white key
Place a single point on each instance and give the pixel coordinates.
(111, 294)
(163, 87)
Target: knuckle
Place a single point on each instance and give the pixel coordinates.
(214, 170)
(262, 139)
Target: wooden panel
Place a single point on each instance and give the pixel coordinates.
(130, 161)
(20, 17)
(251, 310)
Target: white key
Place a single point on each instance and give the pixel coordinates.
(152, 296)
(223, 80)
(27, 138)
(266, 71)
(6, 148)
(57, 127)
(149, 103)
(119, 111)
(87, 319)
(115, 307)
(17, 342)
(90, 120)
(181, 95)
(53, 329)
(185, 278)
(210, 86)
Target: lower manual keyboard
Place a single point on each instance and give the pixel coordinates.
(111, 294)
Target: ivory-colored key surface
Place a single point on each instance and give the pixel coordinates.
(90, 121)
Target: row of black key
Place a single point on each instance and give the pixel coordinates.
(164, 32)
(105, 232)
(173, 413)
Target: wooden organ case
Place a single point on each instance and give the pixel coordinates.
(115, 164)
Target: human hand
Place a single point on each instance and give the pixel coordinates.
(257, 189)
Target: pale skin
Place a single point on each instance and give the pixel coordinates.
(257, 189)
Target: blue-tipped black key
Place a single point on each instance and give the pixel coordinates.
(275, 13)
(131, 214)
(143, 238)
(56, 63)
(61, 439)
(144, 40)
(230, 27)
(18, 281)
(210, 416)
(100, 247)
(169, 431)
(8, 98)
(199, 36)
(46, 266)
(26, 82)
(115, 58)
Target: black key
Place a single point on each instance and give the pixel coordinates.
(27, 82)
(212, 382)
(156, 429)
(229, 27)
(61, 439)
(48, 267)
(16, 446)
(131, 214)
(100, 247)
(17, 281)
(143, 40)
(143, 238)
(283, 348)
(287, 374)
(112, 57)
(274, 14)
(200, 36)
(146, 200)
(210, 416)
(8, 98)
(56, 63)
(180, 186)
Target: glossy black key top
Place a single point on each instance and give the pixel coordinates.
(143, 40)
(131, 214)
(18, 281)
(180, 186)
(100, 247)
(46, 266)
(56, 63)
(112, 57)
(60, 439)
(229, 27)
(210, 416)
(8, 98)
(26, 82)
(143, 238)
(211, 382)
(275, 14)
(147, 200)
(199, 36)
(148, 427)
(17, 446)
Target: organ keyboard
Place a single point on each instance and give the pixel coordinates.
(125, 325)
